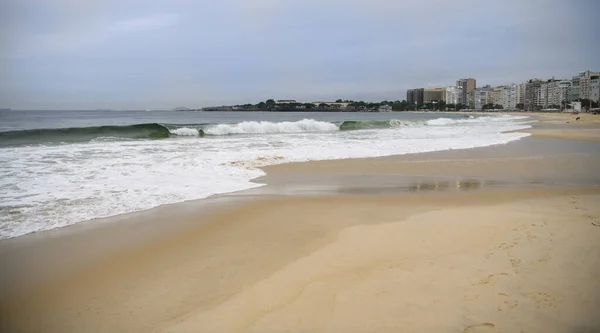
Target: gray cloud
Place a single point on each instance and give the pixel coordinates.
(132, 54)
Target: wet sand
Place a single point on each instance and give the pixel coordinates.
(497, 239)
(527, 163)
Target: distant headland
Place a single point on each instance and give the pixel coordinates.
(319, 106)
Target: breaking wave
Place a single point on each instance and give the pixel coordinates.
(162, 131)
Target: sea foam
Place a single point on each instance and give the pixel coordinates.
(49, 186)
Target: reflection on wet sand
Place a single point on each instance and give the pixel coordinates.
(425, 185)
(458, 185)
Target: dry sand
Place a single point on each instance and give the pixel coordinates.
(511, 267)
(570, 118)
(579, 134)
(504, 261)
(573, 131)
(501, 260)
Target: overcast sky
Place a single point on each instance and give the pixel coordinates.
(138, 54)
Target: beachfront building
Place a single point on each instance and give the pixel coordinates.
(503, 95)
(575, 88)
(562, 92)
(467, 86)
(543, 92)
(453, 95)
(532, 94)
(581, 85)
(415, 96)
(498, 95)
(481, 96)
(509, 100)
(595, 89)
(431, 95)
(521, 88)
(554, 93)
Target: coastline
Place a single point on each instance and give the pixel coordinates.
(305, 253)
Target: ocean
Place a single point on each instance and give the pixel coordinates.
(58, 168)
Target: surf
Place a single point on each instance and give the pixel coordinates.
(82, 134)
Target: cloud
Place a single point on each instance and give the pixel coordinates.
(142, 24)
(128, 54)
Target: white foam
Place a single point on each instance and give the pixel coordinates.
(473, 120)
(44, 187)
(441, 121)
(400, 123)
(262, 127)
(185, 131)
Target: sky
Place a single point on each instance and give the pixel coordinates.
(140, 54)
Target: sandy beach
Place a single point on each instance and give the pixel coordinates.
(581, 126)
(495, 239)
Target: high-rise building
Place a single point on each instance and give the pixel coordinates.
(481, 96)
(433, 95)
(453, 94)
(575, 88)
(543, 92)
(521, 87)
(532, 94)
(510, 96)
(595, 89)
(415, 96)
(581, 85)
(467, 86)
(562, 93)
(554, 93)
(470, 102)
(498, 95)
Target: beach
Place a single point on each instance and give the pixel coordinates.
(503, 238)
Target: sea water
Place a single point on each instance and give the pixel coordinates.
(61, 167)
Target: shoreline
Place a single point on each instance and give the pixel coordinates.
(541, 120)
(258, 164)
(490, 221)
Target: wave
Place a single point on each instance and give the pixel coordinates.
(162, 131)
(263, 127)
(375, 124)
(472, 120)
(82, 134)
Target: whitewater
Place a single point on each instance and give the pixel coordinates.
(55, 177)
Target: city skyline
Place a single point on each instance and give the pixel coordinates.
(61, 54)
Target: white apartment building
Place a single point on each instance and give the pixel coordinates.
(453, 94)
(521, 87)
(595, 89)
(532, 93)
(481, 97)
(562, 92)
(510, 96)
(498, 95)
(581, 85)
(554, 92)
(543, 95)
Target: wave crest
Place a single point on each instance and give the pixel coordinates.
(263, 127)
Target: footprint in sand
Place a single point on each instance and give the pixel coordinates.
(594, 221)
(485, 327)
(490, 279)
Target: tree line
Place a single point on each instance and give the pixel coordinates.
(351, 105)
